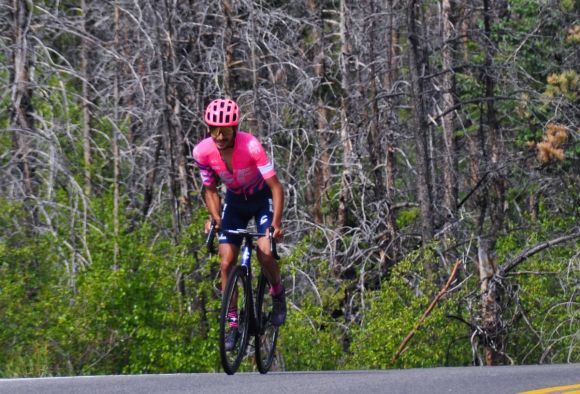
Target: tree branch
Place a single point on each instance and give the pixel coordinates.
(427, 312)
(510, 265)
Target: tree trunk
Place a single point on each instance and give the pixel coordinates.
(374, 141)
(491, 295)
(150, 180)
(116, 131)
(381, 135)
(418, 67)
(173, 140)
(258, 127)
(22, 117)
(228, 47)
(449, 162)
(389, 84)
(315, 190)
(490, 301)
(345, 59)
(174, 116)
(85, 100)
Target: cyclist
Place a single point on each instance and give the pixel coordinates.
(239, 160)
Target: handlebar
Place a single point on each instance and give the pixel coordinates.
(209, 241)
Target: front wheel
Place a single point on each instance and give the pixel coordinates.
(267, 334)
(234, 321)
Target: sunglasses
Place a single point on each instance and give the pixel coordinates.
(226, 131)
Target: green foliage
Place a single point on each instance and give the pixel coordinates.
(23, 294)
(128, 317)
(567, 5)
(311, 337)
(310, 341)
(330, 201)
(407, 216)
(392, 313)
(543, 316)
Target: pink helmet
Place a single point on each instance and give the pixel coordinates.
(222, 112)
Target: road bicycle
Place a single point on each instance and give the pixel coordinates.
(253, 314)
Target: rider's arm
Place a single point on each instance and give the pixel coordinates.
(210, 193)
(278, 205)
(213, 203)
(266, 168)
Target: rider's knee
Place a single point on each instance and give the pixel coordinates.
(227, 263)
(264, 251)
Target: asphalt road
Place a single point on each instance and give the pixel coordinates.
(477, 380)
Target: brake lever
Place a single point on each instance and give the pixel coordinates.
(209, 239)
(273, 244)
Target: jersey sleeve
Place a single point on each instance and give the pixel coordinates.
(208, 176)
(258, 153)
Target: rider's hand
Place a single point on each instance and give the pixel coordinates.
(207, 226)
(278, 234)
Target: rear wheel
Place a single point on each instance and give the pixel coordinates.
(267, 336)
(235, 298)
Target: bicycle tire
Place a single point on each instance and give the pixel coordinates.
(267, 336)
(236, 292)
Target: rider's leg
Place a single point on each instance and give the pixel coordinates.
(272, 272)
(269, 264)
(229, 244)
(228, 255)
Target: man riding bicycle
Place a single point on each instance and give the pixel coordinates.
(253, 190)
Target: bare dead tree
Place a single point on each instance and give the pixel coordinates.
(448, 121)
(21, 117)
(347, 64)
(85, 101)
(418, 66)
(490, 292)
(315, 191)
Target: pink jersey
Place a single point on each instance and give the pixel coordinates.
(250, 164)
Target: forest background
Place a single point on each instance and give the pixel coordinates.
(411, 136)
